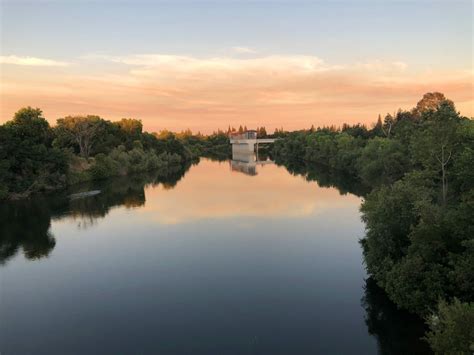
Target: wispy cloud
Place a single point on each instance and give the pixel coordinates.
(378, 65)
(31, 61)
(243, 50)
(224, 67)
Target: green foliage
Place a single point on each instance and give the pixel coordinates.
(452, 328)
(383, 161)
(417, 166)
(389, 214)
(78, 131)
(435, 246)
(337, 151)
(121, 162)
(215, 145)
(35, 157)
(28, 161)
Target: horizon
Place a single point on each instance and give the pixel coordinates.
(251, 63)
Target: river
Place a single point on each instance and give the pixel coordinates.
(225, 258)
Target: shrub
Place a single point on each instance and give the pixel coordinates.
(452, 328)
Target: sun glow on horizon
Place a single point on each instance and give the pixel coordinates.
(178, 92)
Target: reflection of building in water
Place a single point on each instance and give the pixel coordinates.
(247, 163)
(245, 152)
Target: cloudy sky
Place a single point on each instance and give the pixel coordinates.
(205, 65)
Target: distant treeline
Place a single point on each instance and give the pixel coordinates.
(415, 170)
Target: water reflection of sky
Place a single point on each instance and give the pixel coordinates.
(213, 191)
(221, 263)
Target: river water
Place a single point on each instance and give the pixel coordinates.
(231, 258)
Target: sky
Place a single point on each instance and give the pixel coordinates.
(207, 65)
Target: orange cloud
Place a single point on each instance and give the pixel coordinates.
(178, 92)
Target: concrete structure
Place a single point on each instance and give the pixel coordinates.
(247, 141)
(245, 152)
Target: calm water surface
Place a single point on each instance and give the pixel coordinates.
(225, 260)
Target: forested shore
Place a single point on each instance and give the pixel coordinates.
(415, 172)
(36, 157)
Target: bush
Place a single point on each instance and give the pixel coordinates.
(452, 328)
(121, 162)
(104, 166)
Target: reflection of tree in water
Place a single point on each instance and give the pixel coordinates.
(25, 225)
(217, 156)
(396, 331)
(264, 152)
(128, 191)
(327, 178)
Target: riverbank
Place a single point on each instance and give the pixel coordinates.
(419, 244)
(35, 157)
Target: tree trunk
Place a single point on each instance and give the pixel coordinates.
(444, 178)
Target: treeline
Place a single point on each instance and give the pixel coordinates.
(417, 169)
(36, 157)
(216, 145)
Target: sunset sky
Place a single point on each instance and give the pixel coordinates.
(207, 65)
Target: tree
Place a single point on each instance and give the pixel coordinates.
(82, 130)
(452, 328)
(434, 145)
(131, 126)
(431, 101)
(27, 158)
(389, 214)
(377, 130)
(388, 123)
(31, 123)
(382, 160)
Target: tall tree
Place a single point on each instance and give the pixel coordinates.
(387, 125)
(131, 126)
(434, 146)
(82, 129)
(431, 102)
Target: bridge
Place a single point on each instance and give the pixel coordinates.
(247, 141)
